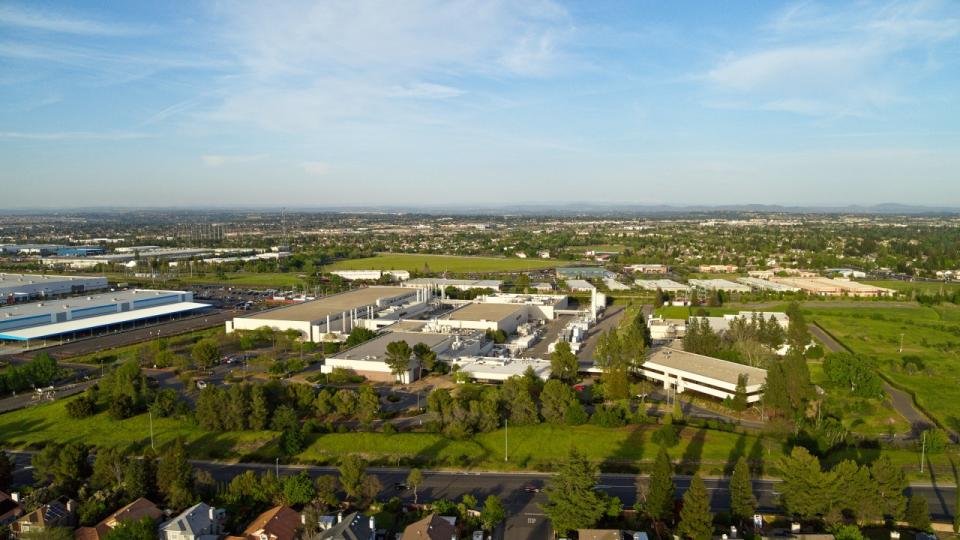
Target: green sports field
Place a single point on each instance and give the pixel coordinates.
(442, 263)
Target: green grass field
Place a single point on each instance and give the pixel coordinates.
(930, 333)
(233, 279)
(925, 287)
(538, 447)
(442, 263)
(49, 423)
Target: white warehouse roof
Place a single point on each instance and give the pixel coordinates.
(90, 323)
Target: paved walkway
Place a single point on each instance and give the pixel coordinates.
(901, 401)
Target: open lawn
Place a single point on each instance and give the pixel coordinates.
(616, 448)
(931, 334)
(442, 263)
(870, 417)
(925, 287)
(49, 423)
(276, 280)
(538, 447)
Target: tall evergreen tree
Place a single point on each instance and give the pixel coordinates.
(696, 521)
(805, 490)
(743, 503)
(658, 499)
(573, 500)
(918, 513)
(563, 363)
(891, 484)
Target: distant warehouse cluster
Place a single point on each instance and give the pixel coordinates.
(16, 288)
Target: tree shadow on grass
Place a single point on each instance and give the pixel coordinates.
(630, 452)
(739, 450)
(692, 454)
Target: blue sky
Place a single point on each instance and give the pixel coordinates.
(356, 102)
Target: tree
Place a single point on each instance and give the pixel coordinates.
(141, 529)
(804, 491)
(398, 358)
(414, 480)
(368, 404)
(493, 512)
(6, 471)
(563, 363)
(798, 336)
(175, 476)
(573, 500)
(696, 521)
(108, 468)
(298, 489)
(425, 356)
(205, 353)
(657, 501)
(739, 401)
(352, 469)
(66, 466)
(370, 487)
(139, 477)
(358, 335)
(326, 490)
(918, 513)
(555, 400)
(259, 408)
(743, 504)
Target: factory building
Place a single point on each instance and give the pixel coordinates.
(759, 284)
(23, 287)
(834, 287)
(331, 318)
(646, 268)
(682, 371)
(665, 285)
(496, 369)
(504, 312)
(440, 284)
(30, 249)
(369, 358)
(719, 285)
(371, 275)
(722, 324)
(718, 268)
(584, 272)
(82, 315)
(580, 285)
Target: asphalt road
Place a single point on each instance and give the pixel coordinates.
(610, 319)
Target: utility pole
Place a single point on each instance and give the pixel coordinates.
(901, 342)
(506, 441)
(923, 450)
(278, 468)
(151, 431)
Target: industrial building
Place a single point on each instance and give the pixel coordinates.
(22, 287)
(496, 369)
(722, 324)
(665, 285)
(440, 284)
(759, 284)
(718, 268)
(580, 285)
(506, 312)
(30, 249)
(332, 317)
(372, 275)
(682, 371)
(492, 317)
(584, 272)
(369, 358)
(719, 285)
(615, 285)
(646, 268)
(834, 287)
(78, 316)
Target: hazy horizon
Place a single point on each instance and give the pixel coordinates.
(422, 103)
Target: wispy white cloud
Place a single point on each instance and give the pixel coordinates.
(816, 61)
(20, 16)
(220, 160)
(307, 65)
(315, 168)
(72, 136)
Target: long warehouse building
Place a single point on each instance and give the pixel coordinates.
(332, 317)
(77, 316)
(23, 287)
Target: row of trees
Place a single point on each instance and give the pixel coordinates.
(41, 371)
